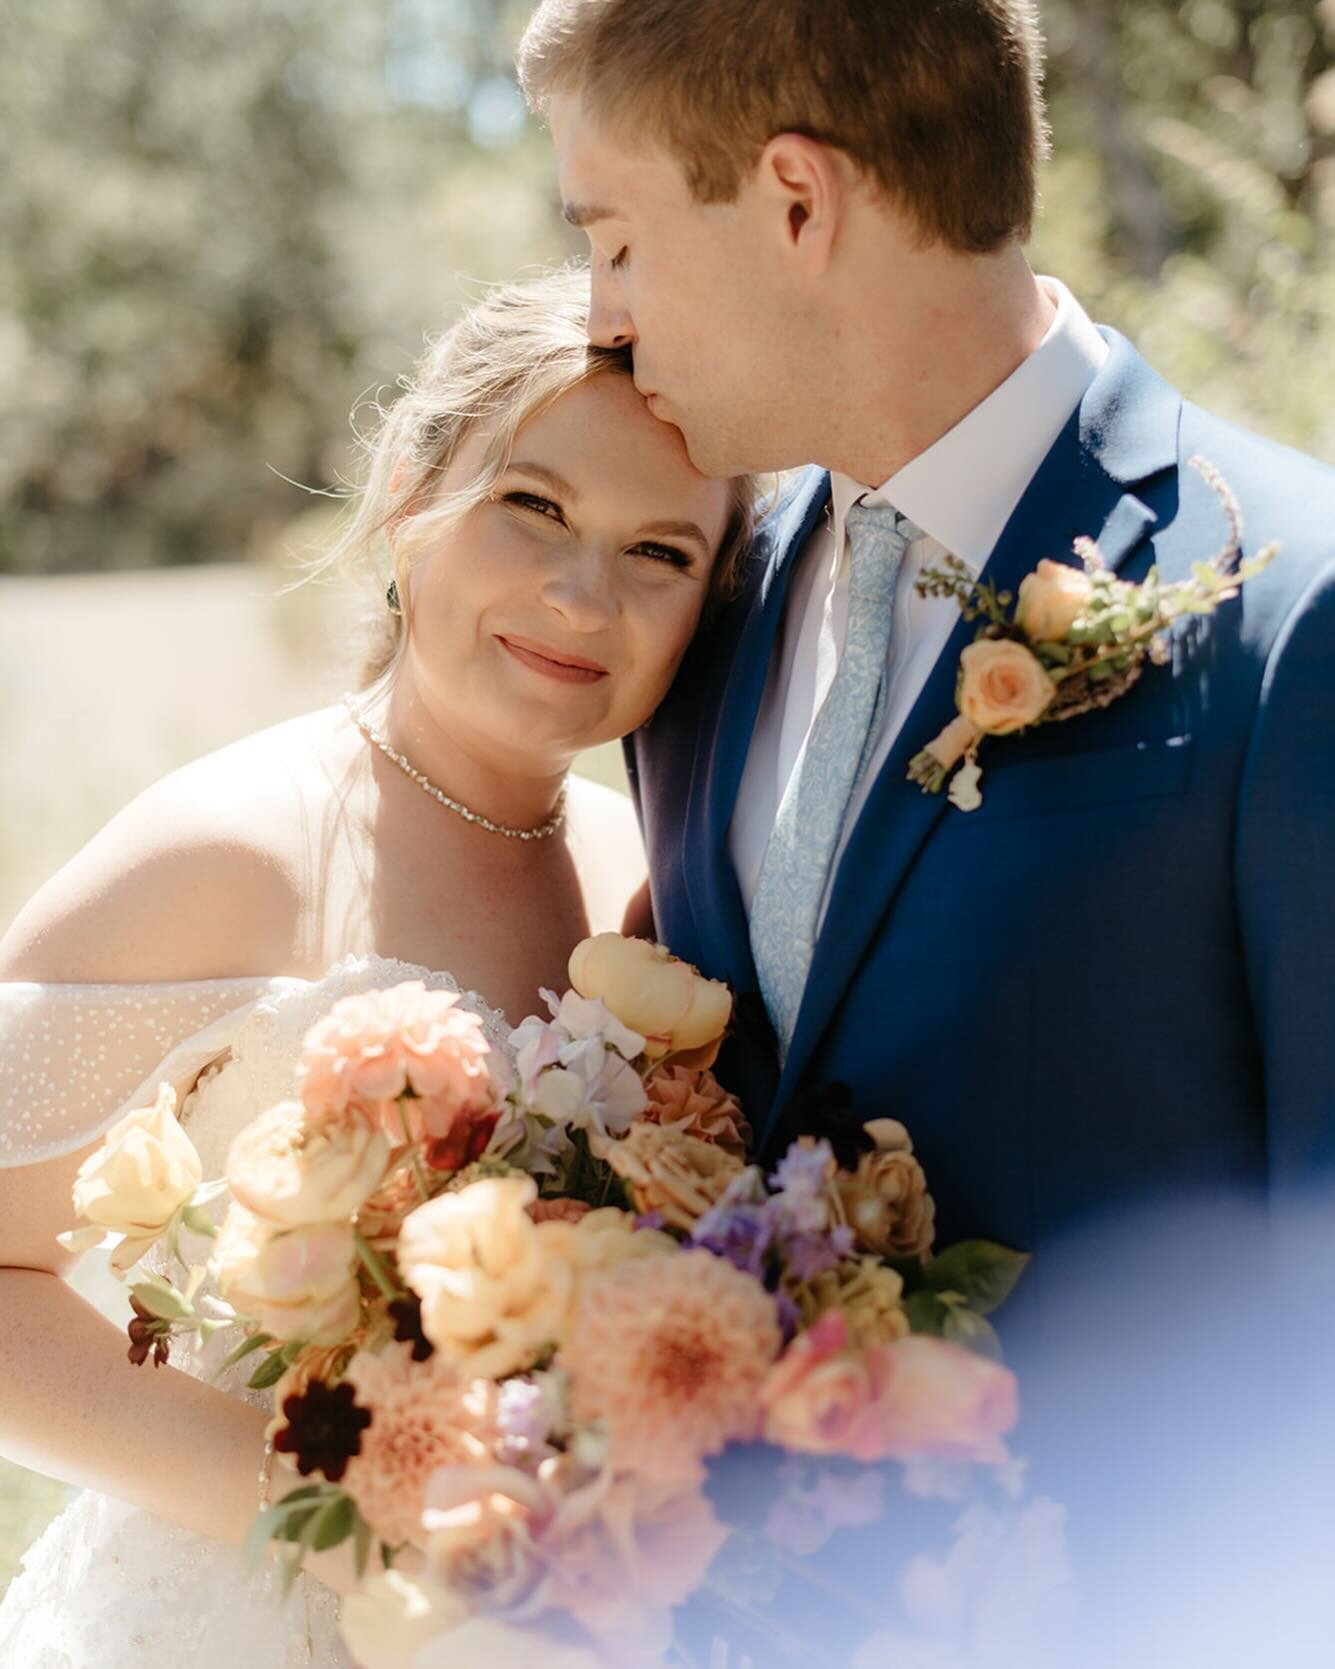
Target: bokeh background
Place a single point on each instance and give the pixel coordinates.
(224, 231)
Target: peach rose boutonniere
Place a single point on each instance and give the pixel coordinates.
(1074, 640)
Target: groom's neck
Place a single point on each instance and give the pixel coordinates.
(917, 351)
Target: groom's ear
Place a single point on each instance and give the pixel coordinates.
(808, 184)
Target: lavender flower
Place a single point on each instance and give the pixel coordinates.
(801, 1184)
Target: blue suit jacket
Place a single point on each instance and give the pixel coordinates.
(1114, 979)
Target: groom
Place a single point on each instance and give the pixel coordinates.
(1115, 979)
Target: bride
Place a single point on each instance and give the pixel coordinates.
(550, 552)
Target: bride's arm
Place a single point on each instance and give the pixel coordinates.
(159, 895)
(73, 1407)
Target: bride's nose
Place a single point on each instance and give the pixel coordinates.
(581, 591)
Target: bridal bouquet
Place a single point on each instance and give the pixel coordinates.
(538, 1326)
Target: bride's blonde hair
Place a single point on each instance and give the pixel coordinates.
(510, 355)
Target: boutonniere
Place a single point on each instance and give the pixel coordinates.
(1075, 639)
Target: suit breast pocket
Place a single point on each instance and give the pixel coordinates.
(1071, 782)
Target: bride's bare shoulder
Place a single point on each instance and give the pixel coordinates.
(204, 875)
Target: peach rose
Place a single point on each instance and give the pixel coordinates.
(885, 1201)
(494, 1285)
(693, 1101)
(297, 1283)
(937, 1399)
(482, 1525)
(673, 1007)
(670, 1172)
(145, 1169)
(1051, 601)
(818, 1395)
(1002, 686)
(290, 1169)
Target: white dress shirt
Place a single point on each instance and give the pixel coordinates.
(961, 492)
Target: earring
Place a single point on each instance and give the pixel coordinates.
(392, 598)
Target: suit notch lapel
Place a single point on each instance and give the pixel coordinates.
(1080, 489)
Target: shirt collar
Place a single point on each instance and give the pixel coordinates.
(996, 449)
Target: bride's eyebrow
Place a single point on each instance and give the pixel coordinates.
(549, 477)
(677, 530)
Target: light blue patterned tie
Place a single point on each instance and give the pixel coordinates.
(801, 847)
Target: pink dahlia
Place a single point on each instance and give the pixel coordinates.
(423, 1416)
(377, 1047)
(672, 1353)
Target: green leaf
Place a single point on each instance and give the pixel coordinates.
(361, 1531)
(163, 1300)
(968, 1328)
(290, 1570)
(333, 1524)
(199, 1222)
(257, 1341)
(927, 1313)
(269, 1372)
(296, 1526)
(262, 1530)
(982, 1271)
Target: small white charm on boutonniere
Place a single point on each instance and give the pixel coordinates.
(1074, 640)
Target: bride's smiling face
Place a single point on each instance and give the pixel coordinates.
(554, 615)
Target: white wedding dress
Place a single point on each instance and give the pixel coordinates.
(107, 1585)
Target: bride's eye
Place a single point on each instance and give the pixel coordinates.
(619, 260)
(663, 553)
(537, 504)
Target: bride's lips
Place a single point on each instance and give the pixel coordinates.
(553, 663)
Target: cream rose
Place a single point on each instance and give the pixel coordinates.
(676, 1009)
(1002, 686)
(496, 1287)
(885, 1201)
(866, 1292)
(392, 1617)
(291, 1168)
(144, 1171)
(297, 1283)
(1051, 601)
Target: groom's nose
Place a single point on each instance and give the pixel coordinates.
(610, 324)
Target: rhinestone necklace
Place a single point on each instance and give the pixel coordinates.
(540, 832)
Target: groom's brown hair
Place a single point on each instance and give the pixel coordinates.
(939, 101)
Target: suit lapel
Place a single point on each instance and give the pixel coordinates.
(1124, 432)
(711, 884)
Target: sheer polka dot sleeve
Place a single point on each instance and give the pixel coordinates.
(73, 1056)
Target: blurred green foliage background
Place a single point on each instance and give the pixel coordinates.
(223, 228)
